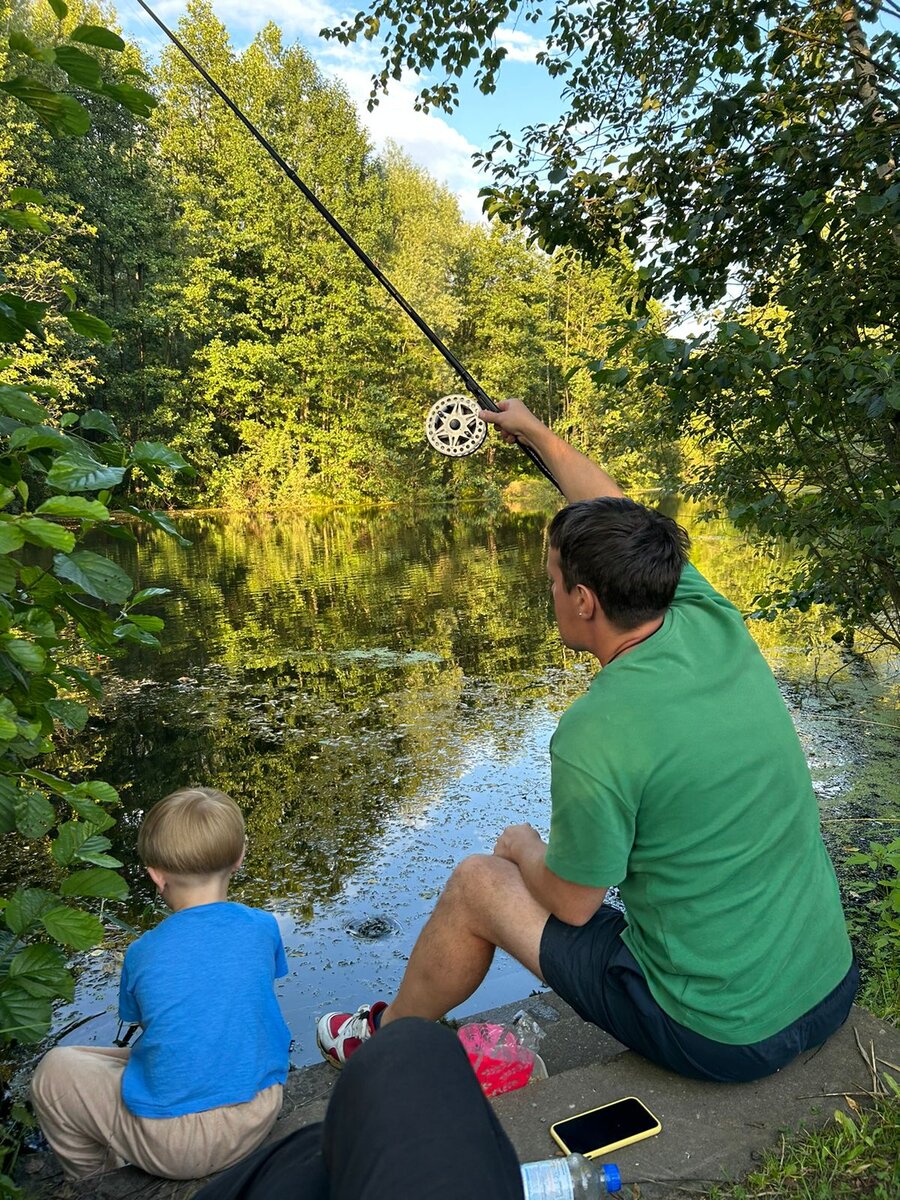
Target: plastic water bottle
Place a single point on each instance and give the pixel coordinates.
(571, 1178)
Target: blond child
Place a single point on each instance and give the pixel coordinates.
(202, 1085)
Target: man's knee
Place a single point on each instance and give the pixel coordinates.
(50, 1077)
(477, 878)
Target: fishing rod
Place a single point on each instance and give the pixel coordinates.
(453, 426)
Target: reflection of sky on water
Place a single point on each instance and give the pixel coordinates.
(381, 704)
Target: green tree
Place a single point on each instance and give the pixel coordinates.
(61, 604)
(745, 155)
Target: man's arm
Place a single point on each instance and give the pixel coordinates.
(573, 903)
(579, 478)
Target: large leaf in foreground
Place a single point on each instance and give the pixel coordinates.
(73, 927)
(95, 575)
(61, 114)
(95, 881)
(79, 473)
(40, 970)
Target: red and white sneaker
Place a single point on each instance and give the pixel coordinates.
(340, 1034)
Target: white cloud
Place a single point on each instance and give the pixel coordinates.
(520, 46)
(428, 139)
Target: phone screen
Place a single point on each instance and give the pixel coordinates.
(605, 1126)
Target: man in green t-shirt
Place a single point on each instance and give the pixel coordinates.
(679, 777)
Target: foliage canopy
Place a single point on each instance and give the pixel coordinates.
(745, 154)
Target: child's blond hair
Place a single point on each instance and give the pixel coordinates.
(194, 831)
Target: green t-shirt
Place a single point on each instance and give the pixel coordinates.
(679, 776)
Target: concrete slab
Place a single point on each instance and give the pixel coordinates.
(711, 1132)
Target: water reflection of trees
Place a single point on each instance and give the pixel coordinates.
(329, 671)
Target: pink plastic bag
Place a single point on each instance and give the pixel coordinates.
(498, 1058)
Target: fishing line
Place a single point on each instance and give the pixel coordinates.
(453, 428)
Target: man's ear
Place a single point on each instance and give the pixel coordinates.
(240, 862)
(158, 877)
(587, 601)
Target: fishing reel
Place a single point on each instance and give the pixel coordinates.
(454, 428)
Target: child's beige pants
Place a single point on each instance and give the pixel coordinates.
(77, 1095)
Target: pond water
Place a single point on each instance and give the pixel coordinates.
(377, 691)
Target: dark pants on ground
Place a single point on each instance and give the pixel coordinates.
(593, 970)
(407, 1121)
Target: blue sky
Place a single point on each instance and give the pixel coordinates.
(441, 143)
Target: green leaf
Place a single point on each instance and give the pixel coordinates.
(155, 454)
(95, 881)
(8, 795)
(97, 789)
(95, 419)
(11, 537)
(92, 814)
(59, 7)
(8, 575)
(9, 730)
(150, 624)
(94, 624)
(95, 575)
(35, 815)
(75, 508)
(92, 851)
(91, 684)
(59, 787)
(23, 1017)
(72, 714)
(26, 195)
(89, 326)
(79, 473)
(15, 218)
(78, 839)
(41, 437)
(45, 533)
(40, 970)
(136, 100)
(29, 656)
(26, 907)
(73, 927)
(22, 44)
(147, 594)
(126, 631)
(120, 533)
(158, 520)
(81, 68)
(18, 404)
(62, 115)
(19, 317)
(96, 35)
(870, 203)
(70, 837)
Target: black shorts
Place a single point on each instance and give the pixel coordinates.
(592, 969)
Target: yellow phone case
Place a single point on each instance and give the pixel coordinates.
(600, 1150)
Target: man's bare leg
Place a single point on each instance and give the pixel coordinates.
(484, 905)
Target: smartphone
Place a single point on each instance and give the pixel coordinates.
(606, 1128)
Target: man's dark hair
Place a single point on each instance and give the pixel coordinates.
(629, 556)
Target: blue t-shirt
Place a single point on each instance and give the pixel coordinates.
(202, 986)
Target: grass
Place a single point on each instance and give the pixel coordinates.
(853, 1156)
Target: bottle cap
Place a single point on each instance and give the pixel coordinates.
(613, 1178)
